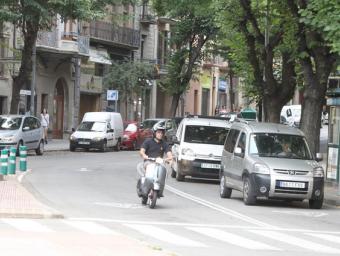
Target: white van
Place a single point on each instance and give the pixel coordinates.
(198, 147)
(98, 130)
(291, 115)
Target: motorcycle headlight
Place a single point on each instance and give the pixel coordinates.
(97, 138)
(261, 168)
(318, 172)
(8, 139)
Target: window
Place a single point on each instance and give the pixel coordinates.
(231, 140)
(205, 134)
(242, 142)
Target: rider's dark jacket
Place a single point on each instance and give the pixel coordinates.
(155, 149)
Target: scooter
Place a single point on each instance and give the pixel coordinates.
(150, 186)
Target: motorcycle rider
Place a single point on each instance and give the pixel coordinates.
(156, 146)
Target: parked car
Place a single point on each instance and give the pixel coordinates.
(131, 135)
(19, 130)
(146, 129)
(99, 130)
(271, 161)
(198, 147)
(170, 126)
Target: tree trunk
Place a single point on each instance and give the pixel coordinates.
(273, 109)
(24, 77)
(174, 103)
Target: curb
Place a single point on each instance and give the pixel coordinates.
(38, 211)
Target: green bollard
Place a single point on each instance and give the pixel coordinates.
(12, 161)
(23, 158)
(4, 161)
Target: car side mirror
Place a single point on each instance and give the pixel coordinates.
(318, 157)
(26, 128)
(238, 152)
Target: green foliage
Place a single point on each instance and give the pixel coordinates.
(129, 77)
(324, 16)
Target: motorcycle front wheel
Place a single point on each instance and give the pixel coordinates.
(153, 199)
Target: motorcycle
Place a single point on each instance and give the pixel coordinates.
(150, 185)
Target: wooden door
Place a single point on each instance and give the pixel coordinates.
(58, 124)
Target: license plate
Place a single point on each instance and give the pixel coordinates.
(287, 184)
(84, 142)
(210, 166)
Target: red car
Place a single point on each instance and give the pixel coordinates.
(131, 135)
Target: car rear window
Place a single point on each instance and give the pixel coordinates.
(205, 134)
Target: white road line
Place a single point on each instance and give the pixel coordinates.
(27, 225)
(165, 236)
(90, 227)
(218, 208)
(330, 238)
(233, 239)
(293, 240)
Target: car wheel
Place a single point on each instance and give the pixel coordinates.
(117, 147)
(104, 147)
(225, 192)
(173, 173)
(72, 148)
(316, 203)
(248, 195)
(40, 149)
(20, 143)
(179, 177)
(134, 145)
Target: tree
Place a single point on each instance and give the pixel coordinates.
(130, 79)
(194, 26)
(259, 35)
(34, 15)
(317, 54)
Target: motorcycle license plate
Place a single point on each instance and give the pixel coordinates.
(210, 166)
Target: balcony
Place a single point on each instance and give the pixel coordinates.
(66, 43)
(105, 32)
(147, 17)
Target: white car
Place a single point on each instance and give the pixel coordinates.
(198, 146)
(20, 130)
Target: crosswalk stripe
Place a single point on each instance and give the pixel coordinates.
(295, 241)
(233, 239)
(165, 235)
(90, 227)
(327, 237)
(27, 225)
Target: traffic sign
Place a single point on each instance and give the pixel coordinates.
(112, 95)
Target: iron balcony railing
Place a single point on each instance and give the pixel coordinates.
(55, 40)
(108, 32)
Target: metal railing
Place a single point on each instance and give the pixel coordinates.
(116, 34)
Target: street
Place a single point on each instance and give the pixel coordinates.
(96, 194)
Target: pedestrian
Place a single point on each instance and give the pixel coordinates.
(45, 121)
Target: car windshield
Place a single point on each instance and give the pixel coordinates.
(92, 127)
(131, 128)
(10, 123)
(279, 146)
(149, 123)
(205, 134)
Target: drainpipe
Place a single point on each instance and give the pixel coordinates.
(76, 62)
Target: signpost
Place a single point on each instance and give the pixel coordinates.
(113, 96)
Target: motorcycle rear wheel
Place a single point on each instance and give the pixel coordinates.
(153, 199)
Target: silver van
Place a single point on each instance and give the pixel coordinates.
(17, 130)
(270, 161)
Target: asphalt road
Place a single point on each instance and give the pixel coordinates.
(99, 189)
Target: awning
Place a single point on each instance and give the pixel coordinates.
(100, 56)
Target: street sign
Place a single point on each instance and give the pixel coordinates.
(25, 92)
(112, 95)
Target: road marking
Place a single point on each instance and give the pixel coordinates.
(233, 239)
(218, 208)
(165, 236)
(295, 241)
(120, 205)
(303, 213)
(84, 169)
(27, 225)
(90, 227)
(330, 238)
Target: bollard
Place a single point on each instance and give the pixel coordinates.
(23, 158)
(4, 161)
(12, 161)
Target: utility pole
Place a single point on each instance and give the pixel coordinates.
(34, 67)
